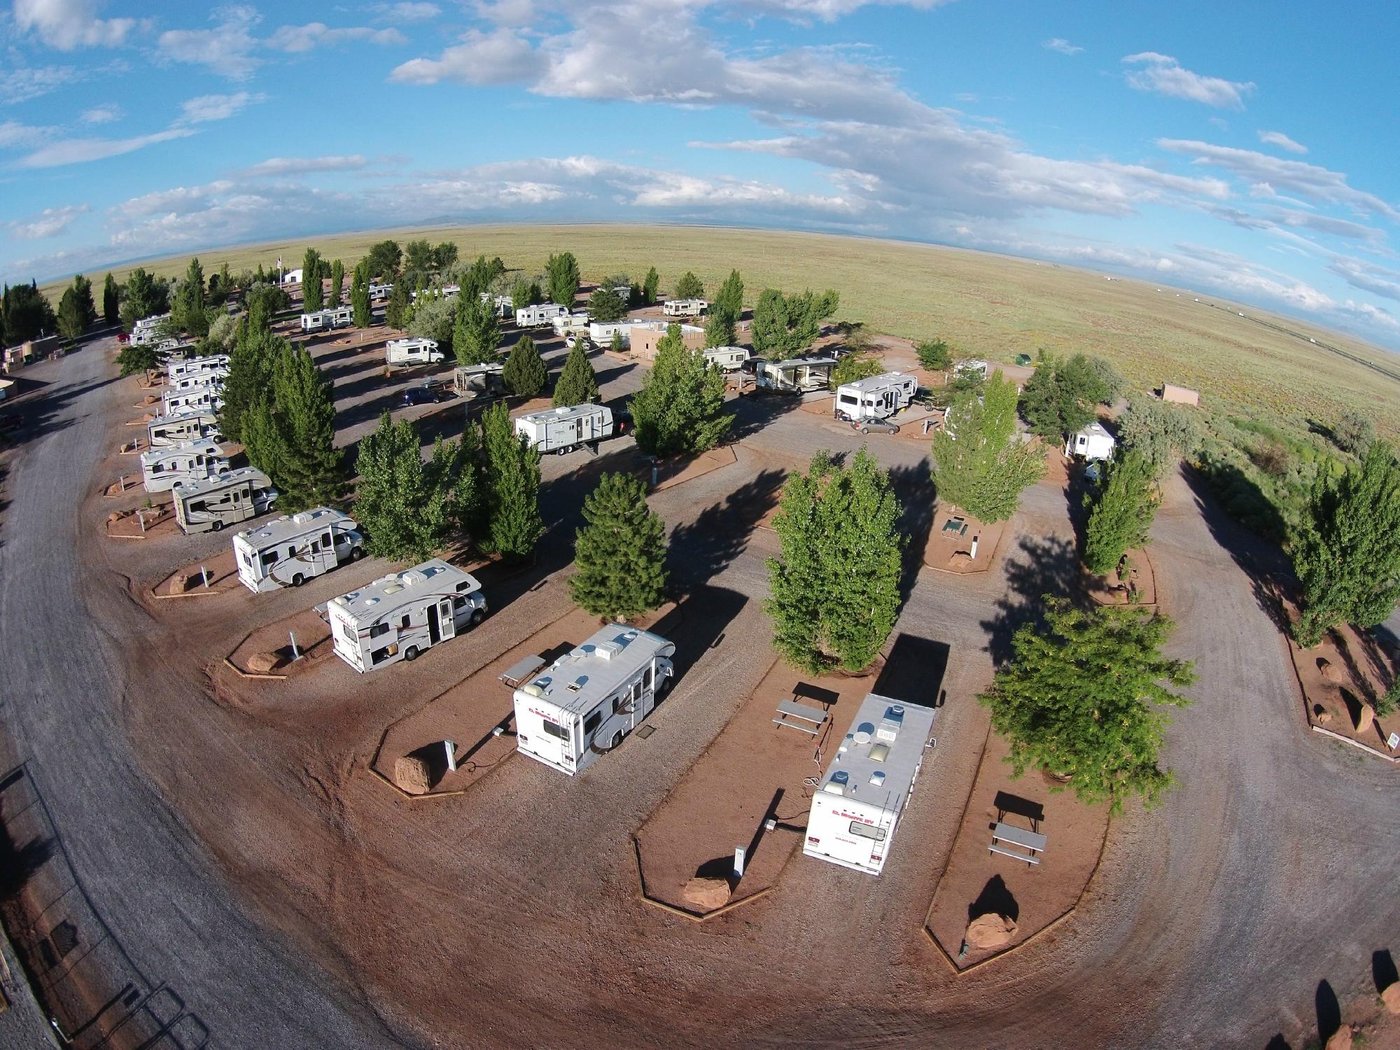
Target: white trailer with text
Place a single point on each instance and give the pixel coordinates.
(541, 315)
(684, 307)
(856, 810)
(727, 358)
(588, 700)
(161, 468)
(875, 398)
(291, 550)
(209, 504)
(564, 429)
(398, 616)
(320, 320)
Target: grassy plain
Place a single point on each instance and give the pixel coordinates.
(985, 305)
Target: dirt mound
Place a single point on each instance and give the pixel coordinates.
(411, 774)
(960, 562)
(259, 663)
(706, 893)
(1391, 998)
(990, 931)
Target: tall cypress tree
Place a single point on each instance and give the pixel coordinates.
(525, 374)
(312, 295)
(651, 287)
(721, 326)
(562, 273)
(360, 306)
(476, 332)
(578, 384)
(1123, 512)
(620, 552)
(111, 301)
(397, 309)
(337, 284)
(310, 469)
(509, 488)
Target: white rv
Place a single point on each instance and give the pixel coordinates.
(798, 375)
(570, 324)
(209, 377)
(338, 317)
(855, 813)
(192, 366)
(562, 429)
(539, 316)
(207, 398)
(727, 358)
(1091, 443)
(293, 549)
(584, 703)
(412, 352)
(503, 305)
(378, 291)
(161, 468)
(684, 307)
(876, 397)
(210, 504)
(602, 333)
(292, 276)
(182, 427)
(474, 380)
(144, 330)
(398, 616)
(972, 369)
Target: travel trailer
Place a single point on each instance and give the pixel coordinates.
(1091, 443)
(570, 324)
(684, 307)
(144, 330)
(601, 334)
(539, 316)
(727, 358)
(475, 380)
(398, 616)
(856, 811)
(588, 700)
(291, 550)
(209, 377)
(192, 366)
(207, 398)
(798, 375)
(562, 430)
(378, 291)
(503, 305)
(447, 291)
(412, 352)
(161, 468)
(226, 499)
(320, 320)
(181, 427)
(876, 397)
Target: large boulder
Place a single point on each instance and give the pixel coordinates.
(990, 931)
(706, 893)
(264, 663)
(1365, 713)
(1341, 1039)
(411, 774)
(1391, 998)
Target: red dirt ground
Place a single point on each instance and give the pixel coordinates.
(942, 550)
(1142, 581)
(313, 640)
(1358, 671)
(223, 576)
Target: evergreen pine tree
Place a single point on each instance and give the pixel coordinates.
(680, 408)
(562, 273)
(70, 316)
(249, 378)
(577, 383)
(310, 469)
(404, 504)
(509, 488)
(337, 284)
(476, 333)
(721, 325)
(689, 286)
(312, 294)
(397, 309)
(111, 301)
(1123, 512)
(187, 309)
(620, 552)
(360, 307)
(525, 374)
(651, 286)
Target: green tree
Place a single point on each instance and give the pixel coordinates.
(853, 367)
(1347, 548)
(337, 291)
(383, 260)
(1353, 433)
(1080, 700)
(835, 586)
(680, 408)
(689, 286)
(418, 259)
(606, 306)
(651, 287)
(27, 312)
(136, 360)
(1060, 396)
(187, 306)
(562, 275)
(615, 343)
(786, 325)
(249, 378)
(525, 293)
(312, 293)
(444, 256)
(509, 487)
(144, 296)
(111, 301)
(577, 383)
(525, 374)
(1123, 512)
(82, 289)
(396, 310)
(70, 316)
(620, 551)
(361, 309)
(722, 322)
(1161, 433)
(222, 337)
(406, 505)
(306, 465)
(979, 465)
(434, 316)
(476, 334)
(935, 355)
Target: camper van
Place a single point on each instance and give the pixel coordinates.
(856, 811)
(476, 380)
(291, 550)
(211, 503)
(727, 358)
(796, 376)
(563, 429)
(320, 320)
(583, 704)
(398, 616)
(192, 366)
(182, 427)
(539, 316)
(412, 352)
(161, 468)
(684, 307)
(207, 398)
(875, 398)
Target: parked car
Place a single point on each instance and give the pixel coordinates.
(427, 394)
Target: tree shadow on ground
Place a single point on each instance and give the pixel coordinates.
(1383, 971)
(995, 899)
(1329, 1011)
(18, 863)
(1040, 566)
(705, 547)
(753, 412)
(913, 486)
(698, 623)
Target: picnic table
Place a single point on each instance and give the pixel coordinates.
(1032, 842)
(521, 671)
(800, 717)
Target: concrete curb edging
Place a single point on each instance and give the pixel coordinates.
(672, 909)
(1392, 759)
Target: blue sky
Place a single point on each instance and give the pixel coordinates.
(1242, 149)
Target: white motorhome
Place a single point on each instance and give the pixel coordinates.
(797, 375)
(209, 504)
(473, 380)
(570, 324)
(209, 377)
(684, 307)
(727, 358)
(856, 811)
(161, 468)
(144, 330)
(875, 397)
(378, 290)
(206, 398)
(182, 427)
(192, 366)
(588, 700)
(398, 616)
(412, 352)
(601, 333)
(291, 550)
(539, 316)
(338, 317)
(1091, 443)
(972, 369)
(564, 429)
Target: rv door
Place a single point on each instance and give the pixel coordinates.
(446, 623)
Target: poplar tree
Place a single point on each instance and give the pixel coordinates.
(651, 286)
(525, 374)
(312, 296)
(680, 408)
(1123, 512)
(111, 301)
(509, 487)
(70, 316)
(722, 322)
(620, 552)
(577, 383)
(476, 332)
(337, 284)
(978, 462)
(396, 310)
(187, 309)
(562, 275)
(361, 309)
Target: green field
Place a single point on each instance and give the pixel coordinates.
(985, 305)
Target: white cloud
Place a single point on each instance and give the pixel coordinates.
(499, 57)
(48, 223)
(207, 108)
(80, 151)
(282, 166)
(407, 12)
(1376, 316)
(20, 85)
(103, 114)
(14, 135)
(67, 24)
(1366, 276)
(1063, 46)
(227, 49)
(1282, 141)
(1163, 75)
(295, 39)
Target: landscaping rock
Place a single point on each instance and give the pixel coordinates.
(1323, 718)
(1341, 1039)
(411, 775)
(1328, 670)
(990, 931)
(1391, 998)
(706, 893)
(263, 663)
(1363, 718)
(960, 561)
(115, 517)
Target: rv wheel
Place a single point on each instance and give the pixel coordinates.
(411, 653)
(217, 525)
(478, 616)
(356, 553)
(298, 580)
(566, 450)
(616, 740)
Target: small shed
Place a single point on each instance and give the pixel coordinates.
(1091, 443)
(1180, 395)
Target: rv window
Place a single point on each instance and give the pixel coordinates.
(291, 551)
(555, 729)
(195, 507)
(403, 623)
(850, 399)
(326, 540)
(348, 634)
(646, 682)
(459, 602)
(592, 722)
(379, 655)
(378, 629)
(315, 546)
(269, 558)
(865, 831)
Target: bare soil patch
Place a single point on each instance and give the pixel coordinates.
(1133, 583)
(268, 650)
(143, 523)
(950, 541)
(978, 882)
(211, 576)
(1341, 679)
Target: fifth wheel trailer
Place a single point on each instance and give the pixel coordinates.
(876, 397)
(207, 505)
(862, 796)
(539, 316)
(161, 468)
(564, 429)
(190, 366)
(588, 700)
(797, 375)
(291, 550)
(209, 398)
(398, 616)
